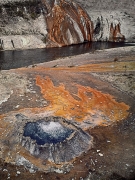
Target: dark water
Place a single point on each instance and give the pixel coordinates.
(46, 132)
(23, 58)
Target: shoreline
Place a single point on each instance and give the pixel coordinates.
(97, 56)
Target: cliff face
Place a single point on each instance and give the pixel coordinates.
(22, 25)
(111, 14)
(68, 24)
(53, 23)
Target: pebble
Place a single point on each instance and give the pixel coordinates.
(18, 172)
(100, 154)
(127, 165)
(17, 106)
(5, 170)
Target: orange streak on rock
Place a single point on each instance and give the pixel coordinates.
(115, 33)
(91, 104)
(68, 23)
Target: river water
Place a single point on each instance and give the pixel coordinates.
(23, 58)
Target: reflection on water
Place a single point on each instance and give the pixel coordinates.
(22, 58)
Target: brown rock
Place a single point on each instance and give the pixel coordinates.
(115, 33)
(68, 24)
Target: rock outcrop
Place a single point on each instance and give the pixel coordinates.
(22, 25)
(103, 13)
(115, 34)
(68, 23)
(56, 23)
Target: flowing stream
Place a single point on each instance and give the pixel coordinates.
(23, 58)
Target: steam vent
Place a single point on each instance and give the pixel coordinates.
(54, 139)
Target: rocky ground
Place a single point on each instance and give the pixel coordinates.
(91, 94)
